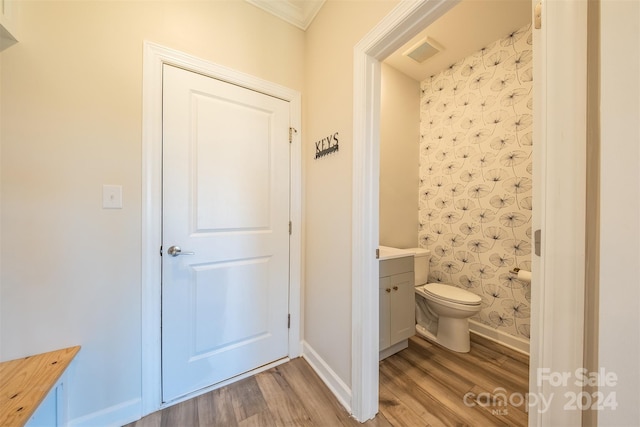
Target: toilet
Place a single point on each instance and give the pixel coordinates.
(442, 310)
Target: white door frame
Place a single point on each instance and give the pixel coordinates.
(559, 117)
(155, 56)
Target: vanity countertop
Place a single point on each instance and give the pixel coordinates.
(391, 253)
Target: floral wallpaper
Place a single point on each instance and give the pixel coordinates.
(475, 178)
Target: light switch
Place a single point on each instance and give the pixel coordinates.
(112, 196)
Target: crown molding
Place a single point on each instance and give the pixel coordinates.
(296, 12)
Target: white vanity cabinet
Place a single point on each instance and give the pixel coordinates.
(397, 304)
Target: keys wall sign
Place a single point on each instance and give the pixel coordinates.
(327, 145)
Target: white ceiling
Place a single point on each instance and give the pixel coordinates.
(465, 29)
(468, 27)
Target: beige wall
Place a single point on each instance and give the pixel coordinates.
(71, 122)
(399, 158)
(619, 242)
(328, 108)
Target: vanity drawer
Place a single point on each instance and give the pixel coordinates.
(389, 267)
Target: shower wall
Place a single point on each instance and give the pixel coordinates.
(475, 178)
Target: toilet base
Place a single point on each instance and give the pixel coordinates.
(452, 334)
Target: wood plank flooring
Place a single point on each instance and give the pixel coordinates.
(426, 385)
(423, 385)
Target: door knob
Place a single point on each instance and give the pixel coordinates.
(174, 251)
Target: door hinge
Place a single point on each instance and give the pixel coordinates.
(290, 228)
(292, 131)
(537, 242)
(160, 250)
(537, 16)
(288, 321)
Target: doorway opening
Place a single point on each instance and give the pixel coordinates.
(561, 114)
(472, 115)
(474, 176)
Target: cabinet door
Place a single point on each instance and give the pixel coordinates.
(402, 322)
(385, 296)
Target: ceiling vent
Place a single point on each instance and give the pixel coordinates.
(423, 50)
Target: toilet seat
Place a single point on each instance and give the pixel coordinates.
(450, 293)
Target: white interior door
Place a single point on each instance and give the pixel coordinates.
(226, 201)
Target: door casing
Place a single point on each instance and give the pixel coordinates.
(155, 56)
(559, 194)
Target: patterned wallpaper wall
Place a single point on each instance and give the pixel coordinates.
(475, 177)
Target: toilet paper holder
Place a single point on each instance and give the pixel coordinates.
(521, 275)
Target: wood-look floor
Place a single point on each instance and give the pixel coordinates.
(427, 385)
(423, 385)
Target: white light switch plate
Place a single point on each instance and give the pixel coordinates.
(112, 196)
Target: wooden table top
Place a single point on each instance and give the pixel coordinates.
(24, 383)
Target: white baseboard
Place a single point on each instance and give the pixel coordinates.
(515, 343)
(328, 376)
(116, 416)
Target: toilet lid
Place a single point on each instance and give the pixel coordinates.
(451, 293)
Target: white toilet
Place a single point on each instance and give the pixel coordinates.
(442, 310)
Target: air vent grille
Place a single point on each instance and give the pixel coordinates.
(422, 51)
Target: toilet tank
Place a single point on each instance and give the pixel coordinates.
(421, 265)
